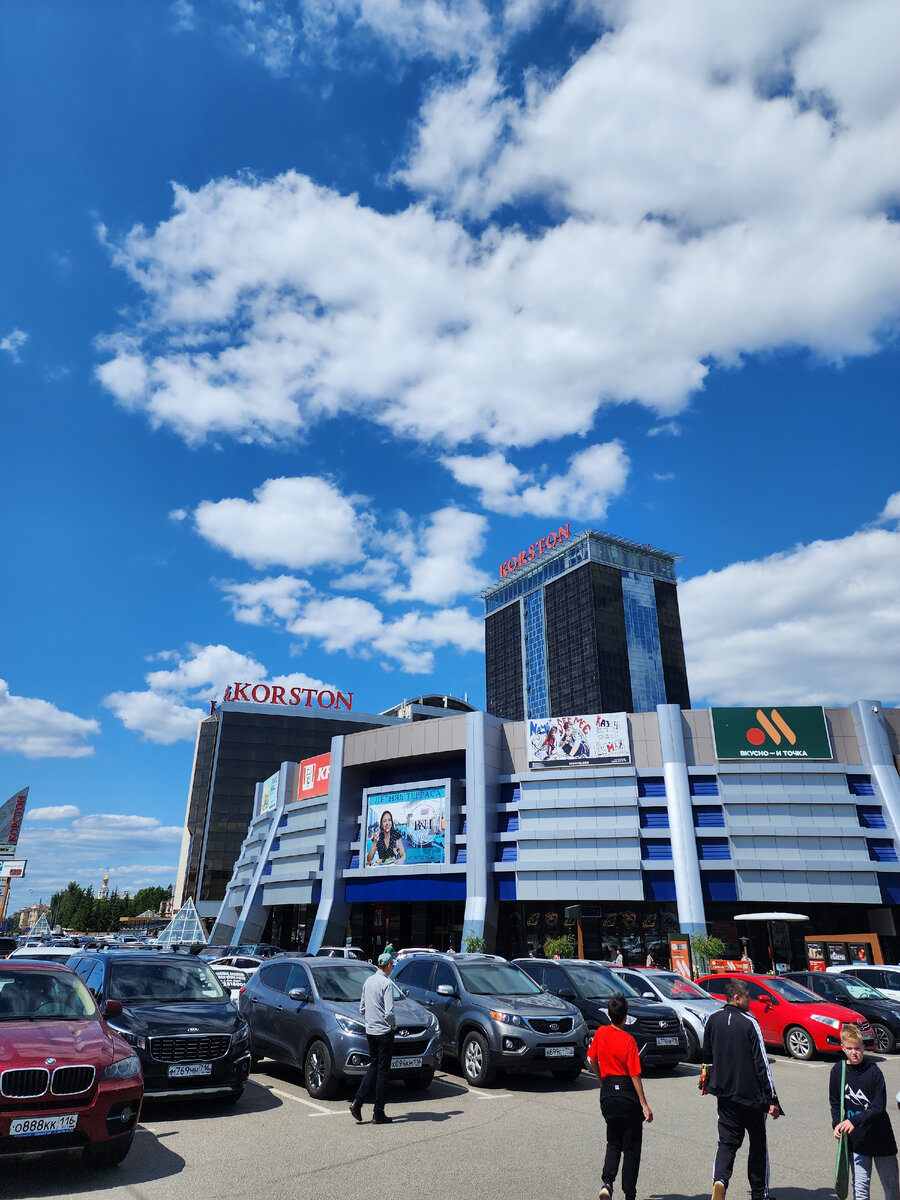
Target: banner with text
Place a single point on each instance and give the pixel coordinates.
(750, 733)
(13, 868)
(11, 814)
(269, 794)
(406, 828)
(315, 774)
(591, 739)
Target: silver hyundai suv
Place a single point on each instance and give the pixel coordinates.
(493, 1018)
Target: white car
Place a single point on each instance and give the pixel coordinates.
(693, 1005)
(233, 971)
(57, 954)
(885, 977)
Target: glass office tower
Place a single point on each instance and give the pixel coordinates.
(592, 626)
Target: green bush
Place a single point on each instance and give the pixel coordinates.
(705, 948)
(473, 943)
(563, 946)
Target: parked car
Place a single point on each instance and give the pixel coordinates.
(885, 976)
(494, 1017)
(341, 952)
(691, 1004)
(305, 1012)
(882, 1013)
(234, 970)
(188, 1035)
(66, 1079)
(589, 986)
(253, 949)
(43, 953)
(791, 1016)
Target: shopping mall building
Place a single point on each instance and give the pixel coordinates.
(433, 820)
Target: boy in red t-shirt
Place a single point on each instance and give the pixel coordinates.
(614, 1057)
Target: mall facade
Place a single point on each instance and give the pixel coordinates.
(676, 820)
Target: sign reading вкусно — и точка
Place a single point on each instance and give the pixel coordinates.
(760, 733)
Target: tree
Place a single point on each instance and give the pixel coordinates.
(562, 946)
(473, 943)
(705, 948)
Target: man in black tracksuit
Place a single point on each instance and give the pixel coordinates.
(742, 1083)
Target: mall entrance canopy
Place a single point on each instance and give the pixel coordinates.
(769, 918)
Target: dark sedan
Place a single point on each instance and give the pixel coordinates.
(882, 1013)
(188, 1035)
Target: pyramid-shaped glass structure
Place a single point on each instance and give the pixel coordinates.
(41, 927)
(185, 928)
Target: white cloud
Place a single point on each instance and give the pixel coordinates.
(595, 476)
(439, 558)
(301, 523)
(255, 603)
(891, 511)
(38, 729)
(670, 427)
(13, 343)
(185, 18)
(53, 812)
(816, 624)
(175, 700)
(178, 514)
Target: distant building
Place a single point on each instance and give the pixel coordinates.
(584, 624)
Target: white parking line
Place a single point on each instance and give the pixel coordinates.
(327, 1112)
(492, 1096)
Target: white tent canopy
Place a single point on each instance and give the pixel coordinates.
(772, 916)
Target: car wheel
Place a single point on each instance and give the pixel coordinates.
(799, 1043)
(476, 1060)
(107, 1154)
(567, 1074)
(421, 1080)
(693, 1045)
(885, 1042)
(318, 1074)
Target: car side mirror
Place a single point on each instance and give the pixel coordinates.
(649, 995)
(299, 994)
(111, 1008)
(566, 994)
(405, 991)
(446, 989)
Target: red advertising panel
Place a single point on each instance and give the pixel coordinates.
(314, 776)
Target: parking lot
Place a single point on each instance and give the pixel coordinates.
(531, 1137)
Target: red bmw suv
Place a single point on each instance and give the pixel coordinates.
(66, 1079)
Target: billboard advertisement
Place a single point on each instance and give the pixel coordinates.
(771, 733)
(11, 814)
(406, 828)
(590, 739)
(315, 774)
(13, 868)
(269, 794)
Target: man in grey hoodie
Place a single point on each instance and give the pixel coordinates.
(376, 1007)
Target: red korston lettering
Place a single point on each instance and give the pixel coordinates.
(550, 542)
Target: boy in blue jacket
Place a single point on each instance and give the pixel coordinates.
(866, 1120)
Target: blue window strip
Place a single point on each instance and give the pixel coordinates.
(656, 849)
(704, 785)
(860, 785)
(713, 848)
(654, 818)
(882, 850)
(870, 816)
(709, 816)
(652, 789)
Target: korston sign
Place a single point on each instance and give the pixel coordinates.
(771, 733)
(550, 542)
(272, 693)
(11, 814)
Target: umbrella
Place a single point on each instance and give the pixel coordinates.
(769, 917)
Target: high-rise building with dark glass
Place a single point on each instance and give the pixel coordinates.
(590, 624)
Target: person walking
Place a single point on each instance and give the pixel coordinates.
(376, 1007)
(863, 1117)
(740, 1079)
(613, 1054)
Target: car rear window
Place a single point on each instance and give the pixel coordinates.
(497, 979)
(44, 995)
(164, 983)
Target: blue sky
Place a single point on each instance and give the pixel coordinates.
(312, 313)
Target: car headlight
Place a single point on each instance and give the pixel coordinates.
(630, 1020)
(124, 1068)
(831, 1022)
(133, 1039)
(506, 1018)
(349, 1025)
(433, 1021)
(241, 1038)
(702, 1017)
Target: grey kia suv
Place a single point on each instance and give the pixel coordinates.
(493, 1018)
(305, 1012)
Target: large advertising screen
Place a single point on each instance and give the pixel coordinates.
(315, 774)
(406, 828)
(590, 739)
(11, 814)
(771, 733)
(269, 794)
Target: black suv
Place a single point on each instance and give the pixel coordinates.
(188, 1035)
(589, 986)
(882, 1013)
(493, 1017)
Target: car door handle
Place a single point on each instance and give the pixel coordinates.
(280, 1008)
(254, 1000)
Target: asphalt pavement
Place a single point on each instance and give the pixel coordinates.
(531, 1137)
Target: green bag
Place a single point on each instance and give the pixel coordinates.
(842, 1160)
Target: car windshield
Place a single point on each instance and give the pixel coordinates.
(674, 987)
(794, 993)
(598, 983)
(497, 979)
(859, 990)
(44, 996)
(340, 981)
(164, 982)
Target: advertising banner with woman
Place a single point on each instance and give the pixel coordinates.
(406, 828)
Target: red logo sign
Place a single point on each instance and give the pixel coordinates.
(315, 774)
(272, 693)
(550, 542)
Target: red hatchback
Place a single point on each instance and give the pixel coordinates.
(791, 1016)
(66, 1080)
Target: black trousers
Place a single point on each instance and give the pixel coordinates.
(734, 1121)
(380, 1047)
(624, 1135)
